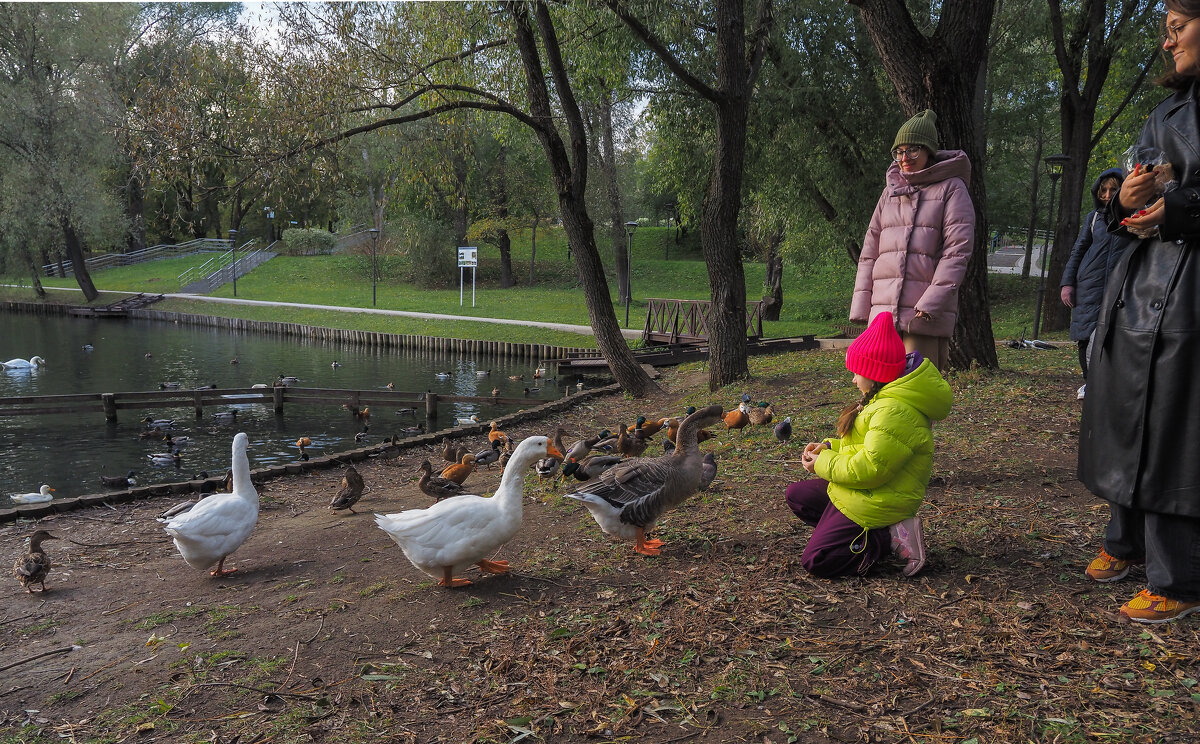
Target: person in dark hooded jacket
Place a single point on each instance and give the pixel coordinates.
(1092, 259)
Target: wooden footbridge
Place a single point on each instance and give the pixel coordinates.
(118, 309)
(276, 397)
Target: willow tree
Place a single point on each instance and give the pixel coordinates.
(352, 69)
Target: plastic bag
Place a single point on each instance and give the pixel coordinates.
(1164, 177)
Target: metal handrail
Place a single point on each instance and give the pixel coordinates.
(110, 260)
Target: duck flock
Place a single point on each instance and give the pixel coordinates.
(625, 490)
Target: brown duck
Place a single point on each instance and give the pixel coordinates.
(435, 485)
(32, 567)
(349, 492)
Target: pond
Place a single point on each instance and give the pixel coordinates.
(71, 452)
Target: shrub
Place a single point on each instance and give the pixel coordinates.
(301, 241)
(425, 251)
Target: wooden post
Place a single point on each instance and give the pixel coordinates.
(110, 407)
(277, 399)
(431, 406)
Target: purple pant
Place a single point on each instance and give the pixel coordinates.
(838, 546)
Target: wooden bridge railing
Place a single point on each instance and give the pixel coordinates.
(276, 397)
(686, 321)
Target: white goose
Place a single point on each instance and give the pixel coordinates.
(31, 363)
(218, 524)
(41, 496)
(460, 531)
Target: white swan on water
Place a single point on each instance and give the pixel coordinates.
(31, 363)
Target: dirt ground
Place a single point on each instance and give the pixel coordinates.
(327, 633)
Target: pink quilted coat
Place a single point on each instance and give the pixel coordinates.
(916, 250)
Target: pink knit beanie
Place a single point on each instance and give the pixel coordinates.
(877, 354)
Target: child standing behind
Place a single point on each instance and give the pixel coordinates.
(872, 479)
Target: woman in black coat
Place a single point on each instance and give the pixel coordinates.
(1092, 259)
(1140, 433)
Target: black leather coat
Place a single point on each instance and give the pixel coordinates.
(1140, 435)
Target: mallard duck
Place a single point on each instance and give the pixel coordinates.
(119, 481)
(548, 467)
(361, 436)
(41, 496)
(628, 499)
(88, 347)
(505, 454)
(435, 485)
(488, 456)
(153, 423)
(177, 442)
(495, 392)
(32, 567)
(483, 372)
(609, 443)
(350, 491)
(171, 385)
(708, 471)
(224, 417)
(451, 453)
(738, 418)
(391, 450)
(783, 430)
(442, 375)
(516, 378)
(590, 466)
(287, 380)
(761, 414)
(335, 364)
(166, 458)
(630, 445)
(581, 448)
(459, 471)
(411, 412)
(233, 361)
(390, 386)
(412, 431)
(458, 532)
(532, 391)
(218, 524)
(496, 435)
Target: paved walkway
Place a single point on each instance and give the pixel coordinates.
(565, 327)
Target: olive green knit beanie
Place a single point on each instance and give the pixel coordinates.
(919, 130)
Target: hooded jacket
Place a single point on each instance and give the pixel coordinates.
(1091, 262)
(916, 249)
(878, 472)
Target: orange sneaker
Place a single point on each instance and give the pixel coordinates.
(1106, 569)
(1153, 608)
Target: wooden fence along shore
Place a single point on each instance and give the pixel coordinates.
(536, 352)
(110, 403)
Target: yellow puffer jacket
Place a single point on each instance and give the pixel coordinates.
(879, 471)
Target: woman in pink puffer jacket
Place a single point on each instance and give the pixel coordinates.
(915, 252)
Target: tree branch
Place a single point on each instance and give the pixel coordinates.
(660, 50)
(1129, 94)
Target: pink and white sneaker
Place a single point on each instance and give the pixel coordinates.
(909, 544)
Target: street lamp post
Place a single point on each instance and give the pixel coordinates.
(270, 224)
(1055, 163)
(233, 253)
(374, 239)
(629, 228)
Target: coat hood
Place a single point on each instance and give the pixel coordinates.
(924, 389)
(948, 164)
(1117, 173)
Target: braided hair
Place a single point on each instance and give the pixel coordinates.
(845, 422)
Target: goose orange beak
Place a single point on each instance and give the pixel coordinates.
(552, 451)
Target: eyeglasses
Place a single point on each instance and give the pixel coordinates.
(1171, 33)
(911, 153)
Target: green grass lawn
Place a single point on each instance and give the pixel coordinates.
(816, 299)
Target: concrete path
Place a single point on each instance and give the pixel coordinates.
(565, 327)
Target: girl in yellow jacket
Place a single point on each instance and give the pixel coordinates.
(872, 478)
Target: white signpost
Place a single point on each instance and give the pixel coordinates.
(467, 257)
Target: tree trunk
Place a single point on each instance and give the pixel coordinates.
(612, 190)
(35, 278)
(135, 210)
(1033, 206)
(570, 181)
(942, 72)
(500, 200)
(459, 211)
(78, 263)
(773, 283)
(533, 249)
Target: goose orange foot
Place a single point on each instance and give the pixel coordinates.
(220, 570)
(448, 580)
(493, 567)
(647, 547)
